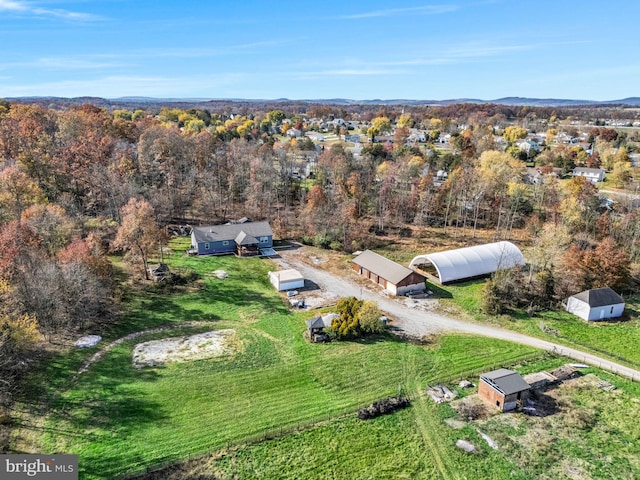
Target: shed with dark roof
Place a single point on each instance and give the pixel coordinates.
(315, 327)
(596, 304)
(395, 278)
(503, 388)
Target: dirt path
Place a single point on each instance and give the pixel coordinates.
(106, 348)
(417, 323)
(427, 428)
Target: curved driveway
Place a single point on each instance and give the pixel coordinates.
(417, 322)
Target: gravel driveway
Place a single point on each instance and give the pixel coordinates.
(417, 322)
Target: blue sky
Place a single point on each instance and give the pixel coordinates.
(309, 50)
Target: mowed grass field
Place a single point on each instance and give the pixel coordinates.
(121, 420)
(592, 434)
(617, 339)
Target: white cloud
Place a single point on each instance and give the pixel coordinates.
(25, 8)
(122, 85)
(348, 72)
(393, 12)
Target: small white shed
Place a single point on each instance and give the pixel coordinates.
(596, 304)
(286, 279)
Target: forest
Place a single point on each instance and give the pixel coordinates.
(81, 183)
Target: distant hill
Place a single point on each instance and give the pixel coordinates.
(147, 102)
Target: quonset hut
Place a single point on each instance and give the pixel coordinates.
(469, 262)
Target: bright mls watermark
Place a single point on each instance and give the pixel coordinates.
(49, 467)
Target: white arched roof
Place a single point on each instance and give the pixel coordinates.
(468, 262)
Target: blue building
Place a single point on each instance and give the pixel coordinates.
(243, 239)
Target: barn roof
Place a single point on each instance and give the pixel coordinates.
(507, 381)
(217, 233)
(599, 297)
(468, 262)
(383, 267)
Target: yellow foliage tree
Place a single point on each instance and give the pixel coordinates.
(405, 121)
(18, 333)
(513, 133)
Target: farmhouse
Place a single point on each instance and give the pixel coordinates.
(286, 280)
(596, 304)
(243, 239)
(503, 388)
(395, 278)
(469, 262)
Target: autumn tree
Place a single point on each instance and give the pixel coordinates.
(18, 335)
(504, 291)
(621, 174)
(379, 126)
(17, 192)
(51, 224)
(602, 265)
(88, 252)
(579, 205)
(138, 234)
(497, 171)
(514, 133)
(346, 324)
(368, 318)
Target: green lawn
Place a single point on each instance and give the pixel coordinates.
(592, 435)
(120, 419)
(616, 339)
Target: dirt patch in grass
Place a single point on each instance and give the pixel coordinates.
(181, 349)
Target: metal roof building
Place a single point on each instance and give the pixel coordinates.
(395, 278)
(469, 262)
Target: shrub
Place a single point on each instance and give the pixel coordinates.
(383, 407)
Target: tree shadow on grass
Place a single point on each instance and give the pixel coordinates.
(104, 407)
(438, 292)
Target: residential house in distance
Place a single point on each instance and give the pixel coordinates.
(243, 239)
(527, 145)
(533, 176)
(394, 278)
(503, 388)
(417, 136)
(594, 175)
(596, 304)
(294, 133)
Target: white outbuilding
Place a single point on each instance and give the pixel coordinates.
(469, 262)
(286, 279)
(596, 304)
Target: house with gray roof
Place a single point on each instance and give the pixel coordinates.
(596, 304)
(503, 389)
(243, 239)
(393, 277)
